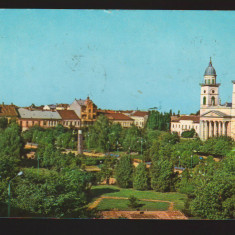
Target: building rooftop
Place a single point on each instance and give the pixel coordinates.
(37, 114)
(194, 118)
(8, 110)
(118, 116)
(84, 102)
(140, 113)
(210, 70)
(68, 114)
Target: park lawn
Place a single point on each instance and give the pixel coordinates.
(122, 204)
(115, 191)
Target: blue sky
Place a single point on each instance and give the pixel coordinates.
(123, 59)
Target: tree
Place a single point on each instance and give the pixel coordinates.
(185, 185)
(159, 121)
(214, 198)
(133, 202)
(188, 134)
(11, 142)
(107, 170)
(114, 135)
(9, 165)
(221, 145)
(131, 137)
(163, 178)
(28, 134)
(140, 181)
(98, 134)
(3, 123)
(63, 194)
(124, 172)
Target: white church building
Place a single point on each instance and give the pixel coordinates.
(215, 119)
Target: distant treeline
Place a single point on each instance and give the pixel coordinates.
(159, 121)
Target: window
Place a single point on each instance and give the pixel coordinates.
(204, 91)
(173, 125)
(204, 100)
(212, 100)
(213, 81)
(213, 91)
(209, 81)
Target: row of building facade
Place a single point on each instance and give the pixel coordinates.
(78, 114)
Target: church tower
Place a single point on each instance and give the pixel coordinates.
(209, 89)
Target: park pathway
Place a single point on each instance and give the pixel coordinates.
(97, 201)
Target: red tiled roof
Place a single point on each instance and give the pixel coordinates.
(105, 111)
(8, 111)
(118, 116)
(140, 113)
(194, 118)
(126, 111)
(68, 115)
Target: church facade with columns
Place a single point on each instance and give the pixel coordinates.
(215, 119)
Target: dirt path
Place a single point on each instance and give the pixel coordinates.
(97, 201)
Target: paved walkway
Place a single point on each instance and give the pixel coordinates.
(97, 201)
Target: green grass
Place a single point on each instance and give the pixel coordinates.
(109, 190)
(122, 204)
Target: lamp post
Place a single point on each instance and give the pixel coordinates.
(117, 145)
(9, 193)
(179, 161)
(108, 146)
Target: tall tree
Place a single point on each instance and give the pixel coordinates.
(124, 172)
(131, 138)
(98, 134)
(140, 181)
(163, 178)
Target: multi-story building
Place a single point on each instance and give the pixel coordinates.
(140, 118)
(86, 111)
(69, 118)
(121, 118)
(183, 123)
(45, 119)
(216, 119)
